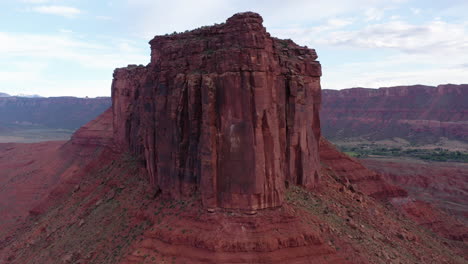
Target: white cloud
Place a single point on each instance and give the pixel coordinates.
(65, 31)
(103, 17)
(432, 37)
(91, 54)
(310, 35)
(431, 68)
(372, 14)
(339, 22)
(366, 75)
(180, 15)
(429, 52)
(65, 11)
(416, 11)
(36, 1)
(27, 61)
(394, 52)
(23, 81)
(12, 44)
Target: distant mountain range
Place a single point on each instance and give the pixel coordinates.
(416, 113)
(53, 112)
(29, 95)
(21, 95)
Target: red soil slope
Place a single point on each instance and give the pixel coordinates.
(417, 113)
(34, 175)
(108, 213)
(26, 178)
(357, 176)
(98, 132)
(354, 175)
(112, 216)
(32, 172)
(440, 183)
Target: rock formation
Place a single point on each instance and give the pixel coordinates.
(100, 211)
(355, 175)
(227, 111)
(417, 113)
(97, 132)
(233, 131)
(440, 183)
(36, 174)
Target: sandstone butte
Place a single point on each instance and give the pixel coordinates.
(224, 125)
(227, 111)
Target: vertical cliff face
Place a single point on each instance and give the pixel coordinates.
(226, 111)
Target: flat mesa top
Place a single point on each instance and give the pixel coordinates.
(237, 19)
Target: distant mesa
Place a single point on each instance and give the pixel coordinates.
(418, 113)
(21, 95)
(29, 95)
(54, 112)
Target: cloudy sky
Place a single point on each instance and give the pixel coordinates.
(70, 47)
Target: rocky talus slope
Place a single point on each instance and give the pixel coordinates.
(98, 132)
(108, 213)
(354, 174)
(443, 184)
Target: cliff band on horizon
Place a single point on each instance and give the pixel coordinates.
(226, 111)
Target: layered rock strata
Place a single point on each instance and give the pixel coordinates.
(417, 113)
(97, 132)
(53, 112)
(354, 175)
(227, 111)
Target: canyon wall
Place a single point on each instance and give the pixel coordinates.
(226, 111)
(417, 113)
(53, 112)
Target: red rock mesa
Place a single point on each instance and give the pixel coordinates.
(227, 111)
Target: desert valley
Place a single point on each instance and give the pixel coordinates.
(224, 148)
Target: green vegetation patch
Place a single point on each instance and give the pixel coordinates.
(437, 154)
